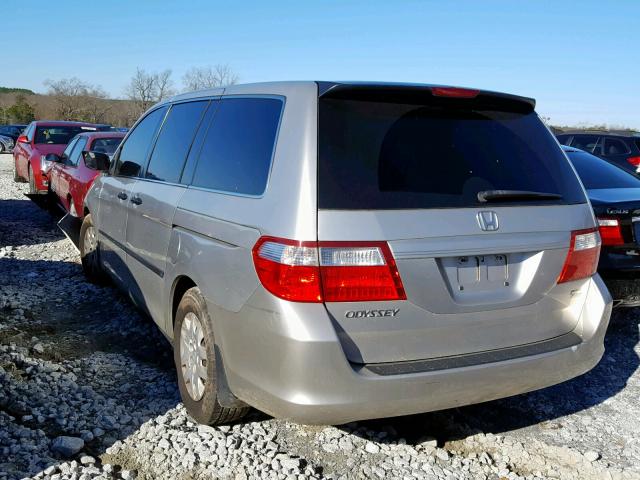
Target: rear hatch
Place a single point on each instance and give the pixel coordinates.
(426, 170)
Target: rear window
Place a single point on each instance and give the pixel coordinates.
(381, 155)
(58, 135)
(596, 173)
(106, 145)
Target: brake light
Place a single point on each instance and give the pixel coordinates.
(454, 92)
(327, 271)
(582, 259)
(635, 161)
(610, 231)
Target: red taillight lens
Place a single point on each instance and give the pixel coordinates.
(610, 231)
(454, 92)
(359, 271)
(288, 269)
(635, 161)
(582, 260)
(327, 271)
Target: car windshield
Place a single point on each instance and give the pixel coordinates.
(385, 155)
(596, 173)
(59, 135)
(106, 145)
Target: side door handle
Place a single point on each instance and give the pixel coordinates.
(136, 200)
(122, 196)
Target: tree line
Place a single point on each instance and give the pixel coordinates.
(75, 99)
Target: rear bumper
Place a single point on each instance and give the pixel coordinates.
(301, 373)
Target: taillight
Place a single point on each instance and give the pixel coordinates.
(359, 271)
(610, 231)
(635, 161)
(288, 269)
(454, 92)
(327, 271)
(582, 259)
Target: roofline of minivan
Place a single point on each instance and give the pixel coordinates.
(324, 87)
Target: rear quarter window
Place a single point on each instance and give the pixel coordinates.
(380, 155)
(238, 146)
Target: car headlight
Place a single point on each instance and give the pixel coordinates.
(45, 165)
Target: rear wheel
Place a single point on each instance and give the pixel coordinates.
(32, 181)
(195, 359)
(89, 253)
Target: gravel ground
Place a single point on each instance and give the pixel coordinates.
(87, 390)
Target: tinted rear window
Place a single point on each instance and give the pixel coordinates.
(378, 155)
(596, 173)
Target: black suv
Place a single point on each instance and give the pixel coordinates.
(619, 149)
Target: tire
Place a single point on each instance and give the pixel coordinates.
(90, 253)
(200, 401)
(32, 181)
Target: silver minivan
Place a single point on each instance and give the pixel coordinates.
(329, 252)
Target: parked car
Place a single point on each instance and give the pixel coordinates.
(70, 175)
(41, 138)
(8, 136)
(615, 197)
(6, 144)
(617, 149)
(329, 252)
(12, 131)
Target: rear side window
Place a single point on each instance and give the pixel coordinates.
(238, 147)
(613, 146)
(382, 155)
(587, 143)
(133, 153)
(174, 141)
(596, 173)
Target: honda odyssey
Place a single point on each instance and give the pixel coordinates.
(328, 252)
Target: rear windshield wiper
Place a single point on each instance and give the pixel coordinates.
(510, 195)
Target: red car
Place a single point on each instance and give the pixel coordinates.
(41, 138)
(70, 177)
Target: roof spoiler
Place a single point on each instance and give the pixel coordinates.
(426, 94)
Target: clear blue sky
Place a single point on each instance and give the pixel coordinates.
(580, 60)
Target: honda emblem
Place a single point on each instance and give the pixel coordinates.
(487, 220)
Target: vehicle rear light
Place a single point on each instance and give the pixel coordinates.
(635, 161)
(610, 231)
(582, 259)
(454, 92)
(359, 271)
(327, 271)
(288, 269)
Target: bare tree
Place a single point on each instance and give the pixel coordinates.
(199, 78)
(145, 89)
(76, 99)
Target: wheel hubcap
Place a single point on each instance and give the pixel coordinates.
(90, 240)
(193, 356)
